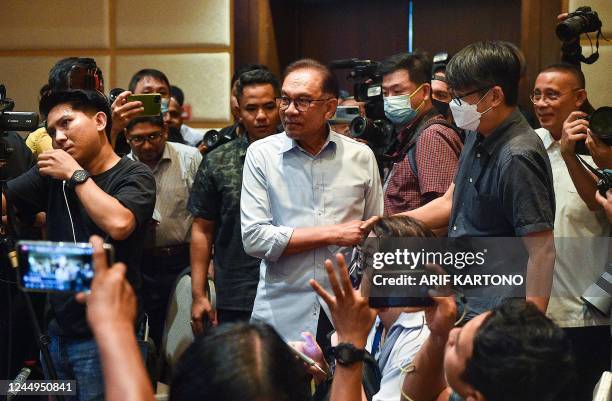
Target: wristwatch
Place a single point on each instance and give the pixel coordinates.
(347, 353)
(78, 177)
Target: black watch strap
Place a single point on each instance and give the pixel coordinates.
(78, 177)
(347, 353)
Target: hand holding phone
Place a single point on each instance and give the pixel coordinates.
(46, 266)
(151, 102)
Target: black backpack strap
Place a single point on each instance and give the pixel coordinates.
(411, 152)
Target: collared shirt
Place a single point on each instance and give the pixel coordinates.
(283, 188)
(402, 342)
(174, 176)
(581, 240)
(503, 186)
(436, 155)
(215, 196)
(191, 136)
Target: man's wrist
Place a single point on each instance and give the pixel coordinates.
(331, 235)
(358, 342)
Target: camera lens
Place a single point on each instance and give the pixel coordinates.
(571, 28)
(358, 126)
(601, 124)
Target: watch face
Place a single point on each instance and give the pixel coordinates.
(80, 176)
(344, 354)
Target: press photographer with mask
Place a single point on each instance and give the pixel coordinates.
(427, 150)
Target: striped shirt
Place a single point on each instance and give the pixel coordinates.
(174, 176)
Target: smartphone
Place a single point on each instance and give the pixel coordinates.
(65, 267)
(150, 101)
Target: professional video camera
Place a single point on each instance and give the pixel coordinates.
(374, 128)
(583, 20)
(12, 121)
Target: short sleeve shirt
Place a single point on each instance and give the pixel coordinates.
(504, 184)
(437, 154)
(130, 182)
(216, 196)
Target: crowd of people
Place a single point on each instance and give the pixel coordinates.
(274, 216)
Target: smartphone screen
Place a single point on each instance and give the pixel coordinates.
(151, 102)
(56, 266)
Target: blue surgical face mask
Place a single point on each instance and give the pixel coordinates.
(398, 108)
(165, 104)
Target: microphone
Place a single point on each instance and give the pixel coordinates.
(19, 380)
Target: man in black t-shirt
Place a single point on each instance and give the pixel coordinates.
(85, 189)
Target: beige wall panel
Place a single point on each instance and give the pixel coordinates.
(205, 79)
(23, 77)
(599, 86)
(57, 24)
(602, 7)
(163, 23)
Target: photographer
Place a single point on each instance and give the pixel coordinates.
(580, 234)
(427, 149)
(147, 80)
(85, 189)
(576, 129)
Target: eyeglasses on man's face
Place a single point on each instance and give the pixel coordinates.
(301, 104)
(139, 140)
(457, 99)
(548, 95)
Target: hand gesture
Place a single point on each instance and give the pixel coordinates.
(201, 309)
(575, 129)
(441, 317)
(57, 164)
(112, 302)
(352, 232)
(311, 349)
(352, 316)
(599, 150)
(124, 111)
(606, 202)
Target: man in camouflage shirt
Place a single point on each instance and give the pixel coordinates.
(215, 205)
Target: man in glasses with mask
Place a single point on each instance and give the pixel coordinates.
(503, 186)
(427, 149)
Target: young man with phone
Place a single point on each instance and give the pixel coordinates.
(125, 107)
(85, 189)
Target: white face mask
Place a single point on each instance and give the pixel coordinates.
(466, 115)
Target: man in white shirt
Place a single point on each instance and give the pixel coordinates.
(581, 234)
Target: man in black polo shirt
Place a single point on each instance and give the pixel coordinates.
(503, 186)
(215, 205)
(85, 189)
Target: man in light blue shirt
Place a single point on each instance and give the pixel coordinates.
(394, 340)
(306, 194)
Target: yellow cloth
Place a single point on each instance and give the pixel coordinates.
(39, 141)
